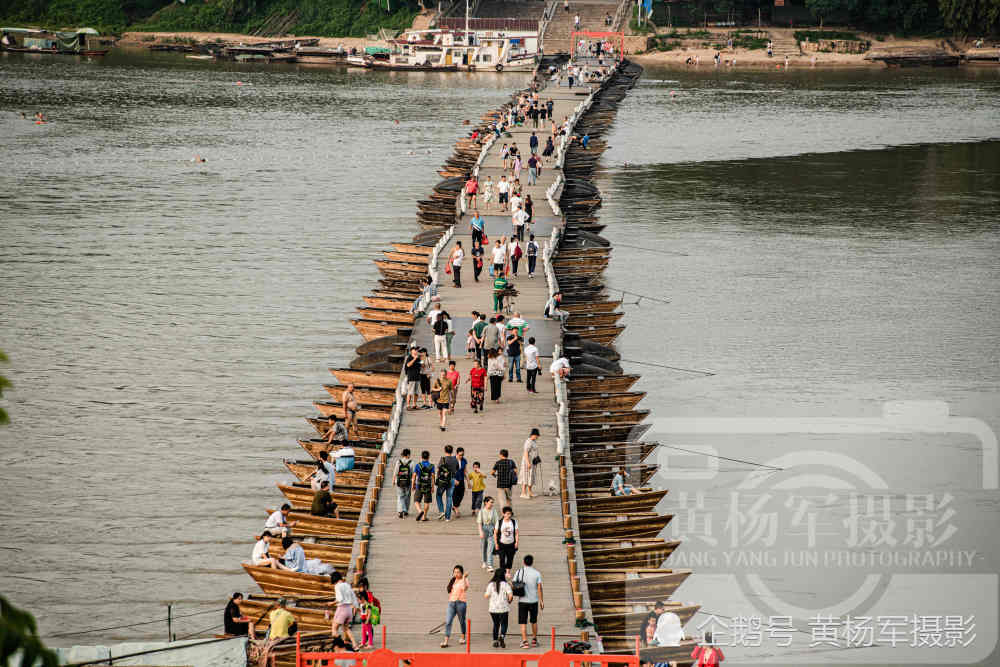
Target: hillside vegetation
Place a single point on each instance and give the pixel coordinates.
(323, 18)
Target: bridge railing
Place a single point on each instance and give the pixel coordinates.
(383, 657)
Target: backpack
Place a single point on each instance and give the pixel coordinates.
(443, 474)
(425, 477)
(404, 475)
(440, 326)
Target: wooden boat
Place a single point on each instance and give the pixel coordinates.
(386, 344)
(590, 306)
(369, 412)
(347, 376)
(578, 268)
(639, 584)
(379, 361)
(406, 285)
(601, 384)
(388, 267)
(629, 417)
(365, 430)
(365, 395)
(282, 582)
(605, 432)
(610, 453)
(594, 319)
(307, 524)
(602, 334)
(607, 401)
(382, 315)
(414, 248)
(309, 619)
(623, 526)
(349, 481)
(393, 294)
(598, 476)
(372, 329)
(367, 448)
(634, 552)
(336, 555)
(637, 502)
(301, 497)
(402, 305)
(626, 618)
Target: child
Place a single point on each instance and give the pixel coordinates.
(371, 613)
(477, 484)
(470, 345)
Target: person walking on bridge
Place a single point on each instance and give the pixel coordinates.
(423, 485)
(529, 603)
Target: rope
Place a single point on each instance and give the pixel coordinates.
(134, 625)
(212, 627)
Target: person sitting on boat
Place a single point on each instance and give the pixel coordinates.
(337, 432)
(260, 556)
(295, 559)
(618, 485)
(277, 523)
(234, 622)
(281, 621)
(552, 310)
(319, 476)
(323, 504)
(329, 468)
(560, 368)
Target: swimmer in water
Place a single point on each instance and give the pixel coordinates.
(197, 158)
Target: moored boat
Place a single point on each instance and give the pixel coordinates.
(375, 380)
(637, 502)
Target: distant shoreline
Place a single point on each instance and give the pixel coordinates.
(140, 38)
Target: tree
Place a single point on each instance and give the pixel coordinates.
(19, 634)
(824, 9)
(968, 16)
(4, 383)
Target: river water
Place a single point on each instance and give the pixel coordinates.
(827, 242)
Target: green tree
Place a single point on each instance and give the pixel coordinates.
(19, 634)
(4, 383)
(967, 17)
(824, 9)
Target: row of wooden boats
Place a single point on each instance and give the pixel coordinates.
(619, 543)
(619, 536)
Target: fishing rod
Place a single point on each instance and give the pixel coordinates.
(724, 458)
(672, 368)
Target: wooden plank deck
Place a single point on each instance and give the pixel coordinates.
(409, 563)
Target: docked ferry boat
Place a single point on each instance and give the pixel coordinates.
(450, 49)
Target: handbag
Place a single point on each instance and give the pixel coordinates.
(517, 585)
(447, 267)
(535, 461)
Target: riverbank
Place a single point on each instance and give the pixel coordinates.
(702, 53)
(146, 39)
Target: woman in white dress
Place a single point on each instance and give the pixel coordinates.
(487, 193)
(530, 471)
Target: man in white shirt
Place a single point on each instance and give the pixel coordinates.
(531, 363)
(499, 258)
(560, 368)
(529, 603)
(520, 218)
(277, 523)
(516, 202)
(503, 193)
